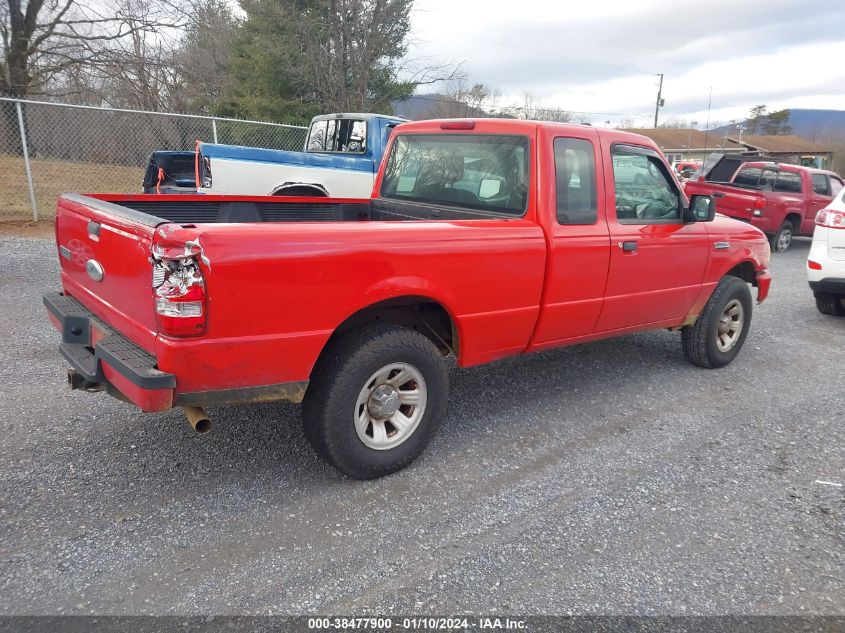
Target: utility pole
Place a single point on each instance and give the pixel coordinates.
(659, 99)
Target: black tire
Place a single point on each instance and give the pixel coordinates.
(700, 340)
(831, 304)
(781, 240)
(328, 411)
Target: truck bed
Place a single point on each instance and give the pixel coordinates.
(152, 210)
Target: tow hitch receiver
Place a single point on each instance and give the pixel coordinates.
(77, 381)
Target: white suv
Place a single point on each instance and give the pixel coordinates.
(826, 261)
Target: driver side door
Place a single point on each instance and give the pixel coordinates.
(657, 262)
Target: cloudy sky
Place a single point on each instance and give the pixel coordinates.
(601, 58)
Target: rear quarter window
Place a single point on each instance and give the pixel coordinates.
(575, 180)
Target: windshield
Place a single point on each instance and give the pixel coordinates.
(476, 171)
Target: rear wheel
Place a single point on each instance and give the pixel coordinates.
(781, 240)
(828, 303)
(718, 334)
(376, 398)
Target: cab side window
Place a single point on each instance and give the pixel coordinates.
(788, 181)
(645, 193)
(575, 178)
(820, 185)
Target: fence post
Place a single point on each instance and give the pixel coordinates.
(26, 161)
(214, 129)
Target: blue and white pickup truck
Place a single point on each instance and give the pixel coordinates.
(340, 160)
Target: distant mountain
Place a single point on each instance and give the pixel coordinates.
(431, 106)
(418, 106)
(822, 126)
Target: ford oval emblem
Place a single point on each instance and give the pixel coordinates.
(94, 269)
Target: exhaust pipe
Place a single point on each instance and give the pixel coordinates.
(198, 419)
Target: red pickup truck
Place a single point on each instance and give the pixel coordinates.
(483, 239)
(781, 200)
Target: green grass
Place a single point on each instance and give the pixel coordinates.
(53, 177)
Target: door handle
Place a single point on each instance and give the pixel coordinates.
(717, 194)
(628, 247)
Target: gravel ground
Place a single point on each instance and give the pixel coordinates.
(609, 478)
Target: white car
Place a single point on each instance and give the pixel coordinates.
(826, 261)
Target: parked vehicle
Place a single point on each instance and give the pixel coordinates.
(781, 200)
(484, 238)
(340, 159)
(686, 168)
(170, 172)
(826, 261)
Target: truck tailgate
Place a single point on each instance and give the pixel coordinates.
(735, 202)
(104, 252)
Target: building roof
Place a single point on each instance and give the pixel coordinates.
(687, 139)
(781, 144)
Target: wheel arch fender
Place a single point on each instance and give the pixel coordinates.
(303, 189)
(795, 217)
(745, 269)
(406, 301)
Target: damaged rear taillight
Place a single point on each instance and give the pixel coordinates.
(179, 289)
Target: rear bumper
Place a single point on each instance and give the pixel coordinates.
(105, 359)
(102, 357)
(830, 285)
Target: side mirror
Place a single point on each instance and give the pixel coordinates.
(702, 208)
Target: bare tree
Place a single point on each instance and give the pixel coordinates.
(532, 109)
(676, 124)
(204, 56)
(626, 124)
(47, 41)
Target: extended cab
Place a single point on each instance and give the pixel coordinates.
(340, 160)
(483, 239)
(781, 200)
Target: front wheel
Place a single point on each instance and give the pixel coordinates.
(781, 240)
(376, 398)
(716, 337)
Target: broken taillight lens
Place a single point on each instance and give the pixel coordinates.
(180, 297)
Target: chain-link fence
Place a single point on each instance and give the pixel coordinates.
(50, 148)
